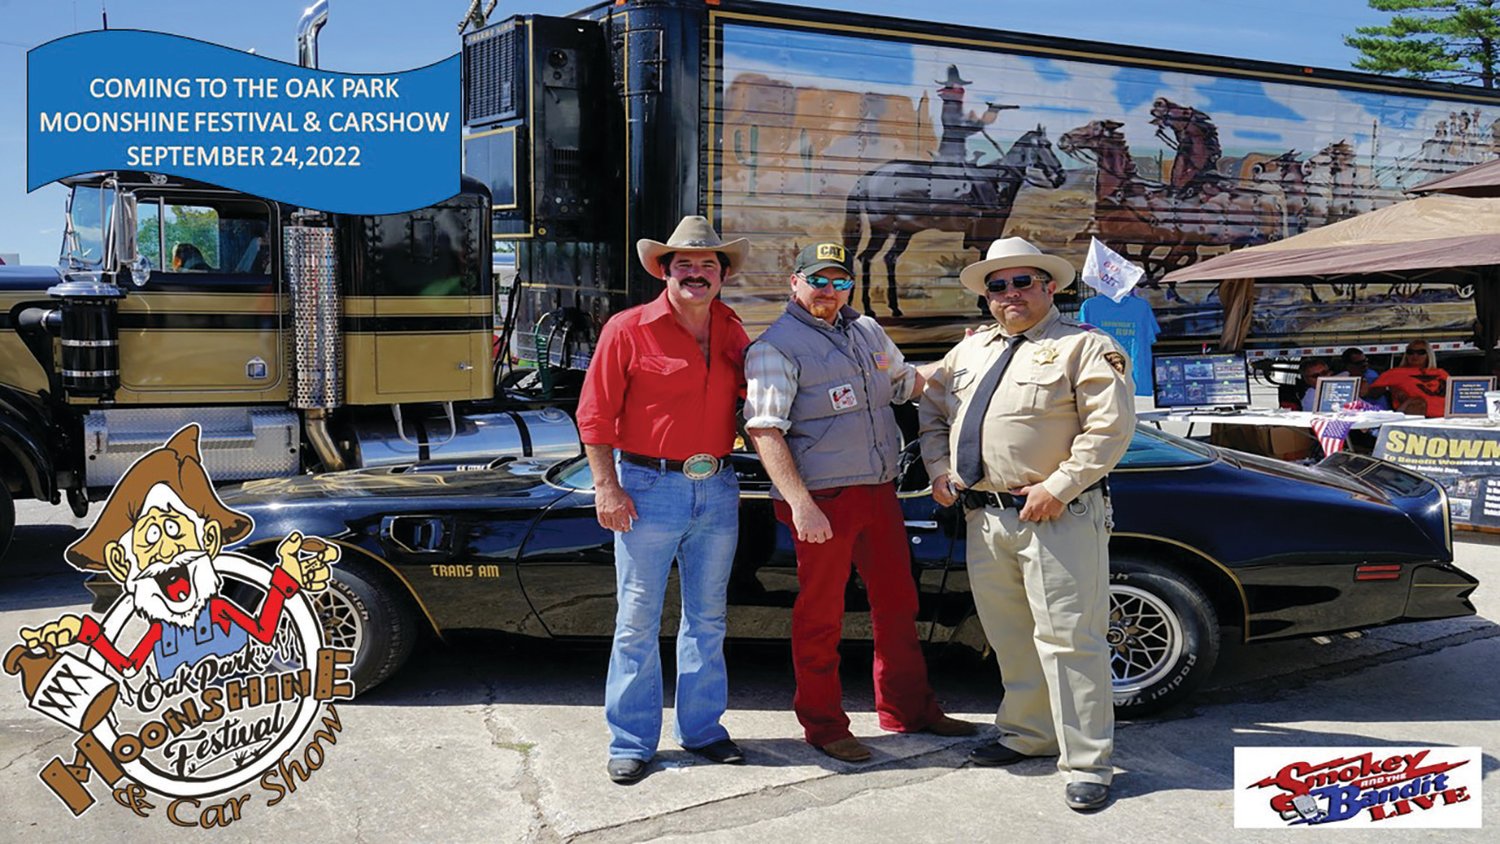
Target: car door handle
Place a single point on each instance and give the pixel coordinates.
(416, 535)
(921, 524)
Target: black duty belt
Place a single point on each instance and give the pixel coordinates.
(975, 499)
(697, 467)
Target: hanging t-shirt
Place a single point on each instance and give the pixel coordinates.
(1131, 322)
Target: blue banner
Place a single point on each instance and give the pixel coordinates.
(339, 142)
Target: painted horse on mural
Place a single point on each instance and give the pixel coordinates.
(902, 197)
(1195, 140)
(1325, 188)
(1141, 217)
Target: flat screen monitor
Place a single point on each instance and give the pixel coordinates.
(1201, 381)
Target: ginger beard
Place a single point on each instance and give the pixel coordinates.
(823, 303)
(170, 574)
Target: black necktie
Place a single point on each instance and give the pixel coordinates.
(971, 435)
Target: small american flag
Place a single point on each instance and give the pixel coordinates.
(1332, 432)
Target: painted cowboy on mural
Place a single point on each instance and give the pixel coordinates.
(957, 126)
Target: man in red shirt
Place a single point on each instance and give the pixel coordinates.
(657, 422)
(1416, 386)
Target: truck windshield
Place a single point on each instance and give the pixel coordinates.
(89, 210)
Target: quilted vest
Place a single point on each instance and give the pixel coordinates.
(843, 430)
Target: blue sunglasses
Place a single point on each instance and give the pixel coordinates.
(818, 282)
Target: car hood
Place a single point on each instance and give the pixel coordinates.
(517, 479)
(23, 277)
(1283, 469)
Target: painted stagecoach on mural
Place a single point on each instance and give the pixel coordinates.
(918, 143)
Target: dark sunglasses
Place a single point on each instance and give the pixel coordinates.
(1421, 352)
(1020, 282)
(818, 282)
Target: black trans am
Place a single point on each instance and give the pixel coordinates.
(1207, 544)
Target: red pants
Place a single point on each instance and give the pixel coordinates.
(867, 529)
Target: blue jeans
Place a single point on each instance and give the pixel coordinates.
(696, 522)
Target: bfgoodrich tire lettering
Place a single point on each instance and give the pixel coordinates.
(1163, 636)
(360, 610)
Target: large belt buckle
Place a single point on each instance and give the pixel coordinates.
(700, 466)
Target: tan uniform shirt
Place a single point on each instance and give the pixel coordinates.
(1062, 416)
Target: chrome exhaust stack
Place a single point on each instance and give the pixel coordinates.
(313, 19)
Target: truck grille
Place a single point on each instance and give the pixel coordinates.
(492, 73)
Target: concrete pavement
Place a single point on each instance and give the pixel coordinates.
(493, 740)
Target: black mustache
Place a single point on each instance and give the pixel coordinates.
(693, 279)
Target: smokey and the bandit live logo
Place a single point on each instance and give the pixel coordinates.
(1380, 786)
(206, 689)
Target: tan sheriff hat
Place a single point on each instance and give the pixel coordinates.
(1009, 252)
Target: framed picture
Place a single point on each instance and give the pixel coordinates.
(1466, 395)
(1336, 391)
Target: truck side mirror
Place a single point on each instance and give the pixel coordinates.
(123, 233)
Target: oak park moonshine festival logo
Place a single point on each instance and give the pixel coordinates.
(1365, 787)
(207, 686)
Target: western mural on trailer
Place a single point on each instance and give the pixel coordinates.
(916, 156)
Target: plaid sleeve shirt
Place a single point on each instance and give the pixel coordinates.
(771, 383)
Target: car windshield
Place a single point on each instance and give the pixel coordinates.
(1151, 448)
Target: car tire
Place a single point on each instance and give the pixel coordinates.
(360, 610)
(1163, 636)
(7, 518)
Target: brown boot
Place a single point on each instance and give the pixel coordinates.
(847, 750)
(946, 726)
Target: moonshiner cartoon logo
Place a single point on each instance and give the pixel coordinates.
(1387, 786)
(207, 686)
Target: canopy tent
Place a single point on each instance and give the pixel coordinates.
(1479, 180)
(1409, 239)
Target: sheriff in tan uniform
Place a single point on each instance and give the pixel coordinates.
(1023, 420)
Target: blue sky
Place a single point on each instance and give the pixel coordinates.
(385, 35)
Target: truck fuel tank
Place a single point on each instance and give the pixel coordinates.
(427, 435)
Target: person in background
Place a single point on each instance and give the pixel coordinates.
(186, 256)
(1311, 371)
(1357, 365)
(1416, 386)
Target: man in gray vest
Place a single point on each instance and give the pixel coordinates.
(820, 385)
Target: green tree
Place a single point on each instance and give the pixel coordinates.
(1457, 41)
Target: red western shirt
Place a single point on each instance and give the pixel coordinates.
(648, 389)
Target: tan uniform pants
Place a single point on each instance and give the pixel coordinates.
(1042, 591)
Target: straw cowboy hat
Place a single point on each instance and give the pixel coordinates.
(693, 234)
(953, 80)
(177, 465)
(1009, 252)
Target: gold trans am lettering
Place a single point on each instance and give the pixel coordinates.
(454, 570)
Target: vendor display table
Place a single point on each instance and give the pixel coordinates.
(1288, 418)
(1461, 454)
